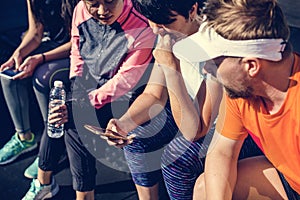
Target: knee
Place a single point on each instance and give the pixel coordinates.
(6, 83)
(199, 188)
(40, 83)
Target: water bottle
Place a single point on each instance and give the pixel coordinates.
(57, 97)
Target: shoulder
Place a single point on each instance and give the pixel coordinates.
(80, 13)
(130, 18)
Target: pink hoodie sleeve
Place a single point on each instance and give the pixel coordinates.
(79, 16)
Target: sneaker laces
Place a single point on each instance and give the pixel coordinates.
(35, 187)
(13, 144)
(32, 190)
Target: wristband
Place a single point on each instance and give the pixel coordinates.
(44, 58)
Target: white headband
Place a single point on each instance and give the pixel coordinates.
(207, 44)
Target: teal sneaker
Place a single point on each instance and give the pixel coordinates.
(15, 147)
(32, 170)
(41, 192)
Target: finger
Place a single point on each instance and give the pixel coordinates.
(111, 143)
(114, 128)
(120, 142)
(110, 124)
(17, 63)
(21, 75)
(129, 141)
(23, 65)
(104, 137)
(55, 120)
(56, 116)
(58, 109)
(7, 65)
(130, 137)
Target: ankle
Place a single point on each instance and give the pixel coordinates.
(26, 136)
(44, 177)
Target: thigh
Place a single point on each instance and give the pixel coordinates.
(144, 154)
(182, 163)
(45, 75)
(50, 151)
(82, 163)
(258, 179)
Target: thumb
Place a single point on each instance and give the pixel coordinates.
(17, 62)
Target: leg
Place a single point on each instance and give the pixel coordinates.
(45, 185)
(144, 154)
(85, 195)
(82, 166)
(16, 93)
(145, 193)
(50, 152)
(43, 79)
(257, 179)
(182, 163)
(199, 188)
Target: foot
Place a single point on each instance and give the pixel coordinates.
(32, 170)
(38, 191)
(15, 147)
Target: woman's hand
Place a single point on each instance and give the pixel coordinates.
(163, 52)
(28, 66)
(59, 115)
(13, 62)
(119, 128)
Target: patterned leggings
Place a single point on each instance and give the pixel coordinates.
(160, 147)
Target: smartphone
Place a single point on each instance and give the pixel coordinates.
(9, 73)
(105, 132)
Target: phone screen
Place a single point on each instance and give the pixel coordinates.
(9, 73)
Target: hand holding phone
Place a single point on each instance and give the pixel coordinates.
(110, 134)
(9, 73)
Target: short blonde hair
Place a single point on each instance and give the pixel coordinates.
(246, 19)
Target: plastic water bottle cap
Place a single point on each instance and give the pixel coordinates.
(58, 84)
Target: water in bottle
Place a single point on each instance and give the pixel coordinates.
(57, 97)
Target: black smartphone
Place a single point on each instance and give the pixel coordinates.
(9, 73)
(105, 132)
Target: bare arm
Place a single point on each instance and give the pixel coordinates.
(31, 62)
(150, 103)
(31, 41)
(221, 167)
(183, 108)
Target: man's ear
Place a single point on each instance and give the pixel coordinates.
(193, 12)
(251, 65)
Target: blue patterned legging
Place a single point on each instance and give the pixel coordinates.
(183, 162)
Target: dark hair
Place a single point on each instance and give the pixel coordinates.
(67, 6)
(164, 11)
(67, 9)
(37, 8)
